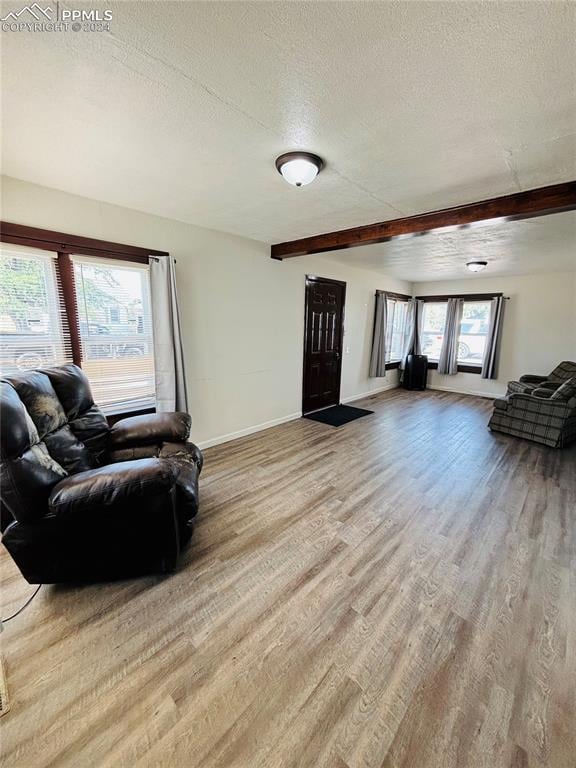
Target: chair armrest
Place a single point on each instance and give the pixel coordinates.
(531, 378)
(128, 484)
(555, 407)
(150, 429)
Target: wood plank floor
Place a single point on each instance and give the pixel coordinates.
(398, 592)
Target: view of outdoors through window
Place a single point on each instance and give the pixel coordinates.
(116, 332)
(433, 322)
(32, 325)
(473, 330)
(114, 317)
(397, 312)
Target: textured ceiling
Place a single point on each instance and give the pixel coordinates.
(547, 244)
(181, 109)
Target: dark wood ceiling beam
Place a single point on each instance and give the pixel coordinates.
(522, 205)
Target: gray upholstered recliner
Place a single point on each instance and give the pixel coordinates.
(536, 415)
(530, 382)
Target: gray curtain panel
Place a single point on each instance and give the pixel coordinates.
(378, 354)
(448, 361)
(492, 351)
(414, 331)
(171, 392)
(411, 334)
(418, 318)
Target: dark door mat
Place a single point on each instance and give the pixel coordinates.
(337, 415)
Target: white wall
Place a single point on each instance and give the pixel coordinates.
(243, 313)
(539, 326)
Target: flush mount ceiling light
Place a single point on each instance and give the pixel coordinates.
(299, 168)
(477, 266)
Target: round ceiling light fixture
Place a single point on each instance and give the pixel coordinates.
(477, 266)
(299, 168)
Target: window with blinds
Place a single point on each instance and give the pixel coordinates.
(115, 323)
(34, 330)
(106, 304)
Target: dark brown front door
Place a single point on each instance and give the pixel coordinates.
(323, 332)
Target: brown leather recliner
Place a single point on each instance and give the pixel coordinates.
(82, 501)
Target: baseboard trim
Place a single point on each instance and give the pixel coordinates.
(293, 416)
(487, 395)
(249, 430)
(368, 394)
(282, 420)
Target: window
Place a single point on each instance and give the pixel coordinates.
(114, 314)
(115, 320)
(33, 324)
(474, 327)
(396, 328)
(473, 332)
(433, 322)
(113, 323)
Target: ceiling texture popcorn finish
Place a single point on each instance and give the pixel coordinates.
(182, 108)
(510, 247)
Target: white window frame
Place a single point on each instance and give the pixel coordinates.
(392, 304)
(115, 342)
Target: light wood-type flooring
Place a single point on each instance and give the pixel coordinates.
(397, 592)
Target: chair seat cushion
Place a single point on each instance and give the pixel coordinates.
(110, 486)
(545, 392)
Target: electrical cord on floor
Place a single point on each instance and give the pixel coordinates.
(22, 607)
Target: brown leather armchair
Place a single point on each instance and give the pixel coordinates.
(80, 501)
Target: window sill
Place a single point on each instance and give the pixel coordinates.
(433, 365)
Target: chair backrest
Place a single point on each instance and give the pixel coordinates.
(49, 428)
(563, 372)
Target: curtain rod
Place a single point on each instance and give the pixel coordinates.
(397, 295)
(157, 258)
(470, 296)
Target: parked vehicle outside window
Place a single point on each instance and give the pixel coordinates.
(473, 331)
(433, 323)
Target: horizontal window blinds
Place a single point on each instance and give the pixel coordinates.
(34, 329)
(115, 324)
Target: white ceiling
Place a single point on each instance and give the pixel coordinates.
(546, 244)
(181, 109)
